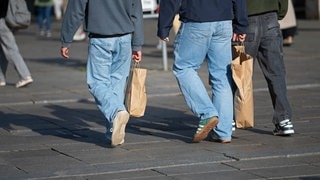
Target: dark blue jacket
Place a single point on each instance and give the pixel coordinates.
(202, 11)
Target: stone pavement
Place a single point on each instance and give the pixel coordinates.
(53, 130)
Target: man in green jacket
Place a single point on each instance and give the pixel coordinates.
(264, 43)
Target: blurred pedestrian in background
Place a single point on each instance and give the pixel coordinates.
(44, 10)
(288, 25)
(58, 7)
(9, 52)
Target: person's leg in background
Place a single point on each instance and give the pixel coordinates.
(288, 35)
(11, 53)
(58, 8)
(40, 20)
(288, 25)
(3, 68)
(47, 14)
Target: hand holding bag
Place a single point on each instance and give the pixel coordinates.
(136, 95)
(242, 70)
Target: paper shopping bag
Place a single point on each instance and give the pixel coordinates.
(136, 95)
(242, 69)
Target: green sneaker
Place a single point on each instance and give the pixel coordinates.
(204, 127)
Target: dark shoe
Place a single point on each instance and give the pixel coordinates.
(214, 138)
(204, 127)
(118, 128)
(284, 128)
(225, 141)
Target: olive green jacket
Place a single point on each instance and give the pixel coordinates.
(43, 3)
(256, 7)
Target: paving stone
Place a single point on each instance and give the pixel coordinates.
(52, 128)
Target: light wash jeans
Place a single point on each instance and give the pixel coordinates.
(9, 52)
(194, 43)
(108, 66)
(264, 43)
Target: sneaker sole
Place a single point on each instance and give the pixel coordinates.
(205, 130)
(286, 133)
(29, 81)
(119, 126)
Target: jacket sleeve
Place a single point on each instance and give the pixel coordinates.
(168, 10)
(137, 19)
(240, 21)
(72, 20)
(283, 8)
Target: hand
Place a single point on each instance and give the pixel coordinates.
(166, 39)
(239, 37)
(64, 52)
(137, 56)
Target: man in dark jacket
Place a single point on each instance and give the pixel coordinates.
(264, 43)
(205, 33)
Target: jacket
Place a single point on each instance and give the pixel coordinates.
(202, 11)
(43, 3)
(106, 18)
(256, 7)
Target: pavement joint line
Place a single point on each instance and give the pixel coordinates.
(47, 102)
(131, 170)
(31, 102)
(292, 87)
(277, 156)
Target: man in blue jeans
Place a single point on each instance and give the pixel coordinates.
(205, 33)
(116, 36)
(264, 43)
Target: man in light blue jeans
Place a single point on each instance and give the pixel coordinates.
(206, 32)
(115, 30)
(107, 73)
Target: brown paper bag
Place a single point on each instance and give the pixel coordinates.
(242, 69)
(136, 96)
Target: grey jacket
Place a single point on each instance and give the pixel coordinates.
(107, 18)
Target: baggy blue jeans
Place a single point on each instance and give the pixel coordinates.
(194, 43)
(108, 67)
(264, 43)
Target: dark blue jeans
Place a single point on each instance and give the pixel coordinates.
(264, 43)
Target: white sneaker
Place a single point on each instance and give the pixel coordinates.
(24, 82)
(118, 128)
(48, 34)
(2, 83)
(42, 33)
